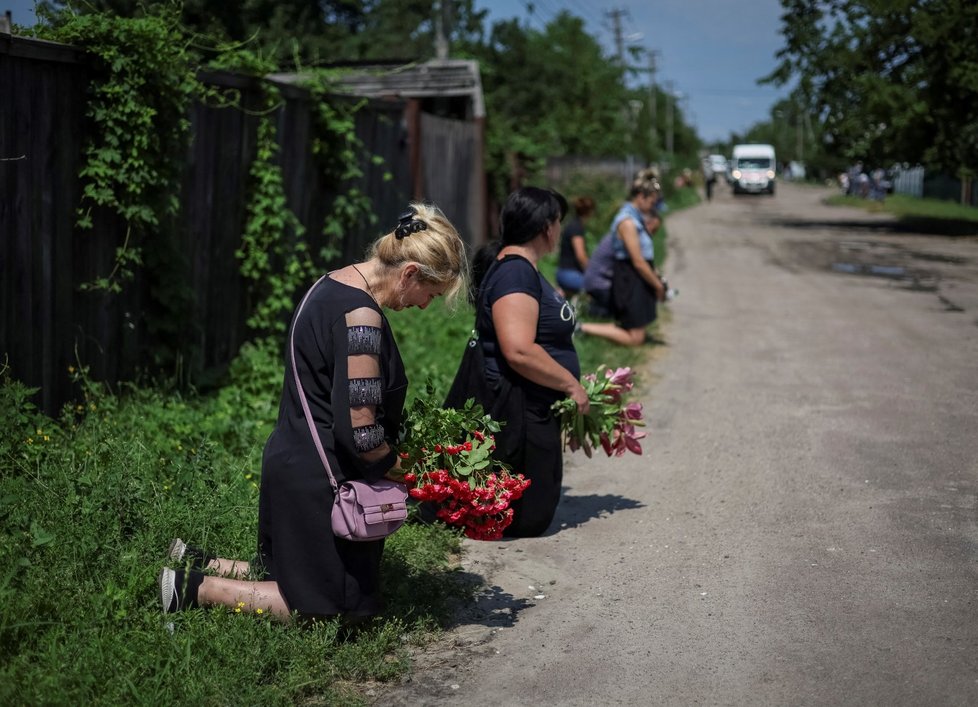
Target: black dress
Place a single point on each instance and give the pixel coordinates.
(354, 382)
(530, 440)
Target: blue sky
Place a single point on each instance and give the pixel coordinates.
(711, 51)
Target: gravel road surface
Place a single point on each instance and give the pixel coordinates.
(801, 527)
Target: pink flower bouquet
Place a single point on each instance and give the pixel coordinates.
(612, 420)
(447, 456)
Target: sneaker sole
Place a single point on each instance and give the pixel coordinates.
(166, 584)
(176, 550)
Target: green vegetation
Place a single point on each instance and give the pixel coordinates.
(911, 207)
(883, 82)
(920, 215)
(89, 503)
(595, 105)
(143, 82)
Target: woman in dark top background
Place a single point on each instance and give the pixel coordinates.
(354, 382)
(526, 329)
(572, 260)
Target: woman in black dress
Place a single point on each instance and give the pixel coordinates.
(354, 381)
(526, 329)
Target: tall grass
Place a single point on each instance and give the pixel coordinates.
(89, 504)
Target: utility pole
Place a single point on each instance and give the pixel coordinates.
(616, 16)
(653, 100)
(443, 28)
(800, 130)
(670, 107)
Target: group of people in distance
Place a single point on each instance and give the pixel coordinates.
(620, 276)
(354, 381)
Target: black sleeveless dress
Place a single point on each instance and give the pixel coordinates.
(340, 329)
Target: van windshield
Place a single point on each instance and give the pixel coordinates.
(754, 163)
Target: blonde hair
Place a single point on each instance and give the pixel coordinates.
(438, 250)
(644, 187)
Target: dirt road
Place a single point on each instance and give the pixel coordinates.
(801, 528)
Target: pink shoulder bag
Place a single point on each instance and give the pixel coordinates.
(362, 511)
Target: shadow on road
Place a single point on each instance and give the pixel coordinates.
(898, 226)
(575, 511)
(492, 607)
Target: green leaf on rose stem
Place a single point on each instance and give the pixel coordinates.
(482, 464)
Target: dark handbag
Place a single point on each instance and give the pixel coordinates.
(362, 511)
(504, 401)
(470, 378)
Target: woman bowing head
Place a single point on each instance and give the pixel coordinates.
(341, 407)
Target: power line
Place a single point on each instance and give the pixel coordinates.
(532, 14)
(550, 10)
(586, 13)
(732, 91)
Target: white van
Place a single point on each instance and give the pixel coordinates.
(753, 169)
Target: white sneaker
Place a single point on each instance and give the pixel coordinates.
(169, 596)
(176, 550)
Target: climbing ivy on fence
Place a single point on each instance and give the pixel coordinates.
(340, 154)
(144, 80)
(272, 254)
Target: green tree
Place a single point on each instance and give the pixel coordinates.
(314, 32)
(889, 80)
(549, 93)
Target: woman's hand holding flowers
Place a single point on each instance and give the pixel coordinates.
(609, 421)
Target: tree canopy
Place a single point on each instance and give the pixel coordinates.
(549, 92)
(889, 80)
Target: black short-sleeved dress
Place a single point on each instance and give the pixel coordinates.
(530, 440)
(354, 382)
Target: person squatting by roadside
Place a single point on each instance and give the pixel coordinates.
(351, 371)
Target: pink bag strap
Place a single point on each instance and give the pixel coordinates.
(302, 395)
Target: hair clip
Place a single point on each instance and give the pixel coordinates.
(408, 224)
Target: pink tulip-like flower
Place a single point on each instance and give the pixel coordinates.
(632, 440)
(620, 377)
(633, 411)
(612, 418)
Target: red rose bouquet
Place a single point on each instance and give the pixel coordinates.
(447, 458)
(612, 419)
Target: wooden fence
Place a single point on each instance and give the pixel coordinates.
(189, 296)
